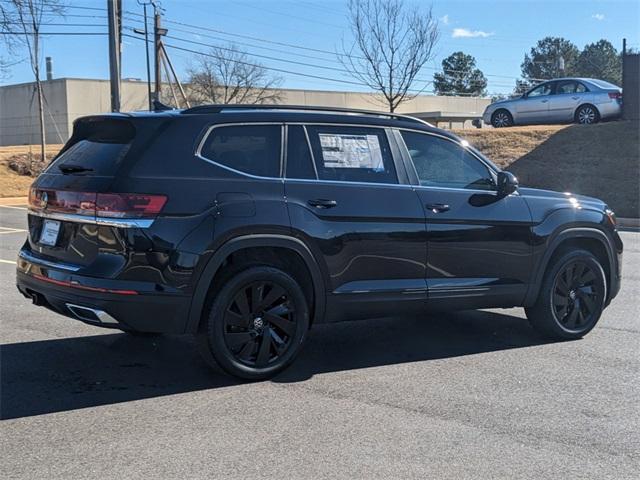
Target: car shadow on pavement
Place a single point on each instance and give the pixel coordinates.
(66, 374)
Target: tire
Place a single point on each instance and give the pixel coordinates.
(256, 325)
(587, 115)
(571, 298)
(501, 118)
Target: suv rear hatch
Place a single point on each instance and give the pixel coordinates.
(70, 204)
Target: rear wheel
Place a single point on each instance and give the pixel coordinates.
(257, 323)
(571, 298)
(501, 118)
(587, 114)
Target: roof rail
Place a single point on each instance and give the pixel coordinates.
(222, 108)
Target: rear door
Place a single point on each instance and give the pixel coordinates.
(367, 229)
(534, 108)
(569, 95)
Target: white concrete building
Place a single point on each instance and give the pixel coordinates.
(70, 98)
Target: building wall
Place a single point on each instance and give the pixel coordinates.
(68, 99)
(19, 123)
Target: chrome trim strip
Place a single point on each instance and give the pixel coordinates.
(39, 261)
(101, 315)
(90, 219)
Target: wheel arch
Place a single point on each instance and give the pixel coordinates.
(592, 239)
(249, 242)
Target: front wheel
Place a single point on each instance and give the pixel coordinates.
(571, 298)
(257, 323)
(501, 118)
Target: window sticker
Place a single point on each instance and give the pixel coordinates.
(351, 151)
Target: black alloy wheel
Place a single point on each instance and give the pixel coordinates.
(257, 323)
(571, 298)
(575, 296)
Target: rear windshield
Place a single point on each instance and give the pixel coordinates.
(97, 148)
(603, 84)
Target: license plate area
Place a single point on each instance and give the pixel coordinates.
(50, 232)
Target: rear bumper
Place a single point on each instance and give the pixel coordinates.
(88, 299)
(609, 110)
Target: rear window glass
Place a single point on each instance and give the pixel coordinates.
(299, 161)
(603, 84)
(98, 147)
(96, 157)
(253, 149)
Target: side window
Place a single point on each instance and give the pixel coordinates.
(540, 90)
(352, 154)
(299, 161)
(568, 86)
(441, 163)
(253, 149)
(580, 88)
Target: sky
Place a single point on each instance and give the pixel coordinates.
(298, 39)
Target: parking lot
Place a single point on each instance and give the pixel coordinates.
(465, 395)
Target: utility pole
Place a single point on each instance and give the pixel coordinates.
(158, 33)
(114, 18)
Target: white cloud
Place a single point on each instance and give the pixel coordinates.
(445, 19)
(598, 16)
(466, 33)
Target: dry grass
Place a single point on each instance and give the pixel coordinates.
(600, 160)
(505, 145)
(12, 184)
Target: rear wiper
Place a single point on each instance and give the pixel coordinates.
(69, 168)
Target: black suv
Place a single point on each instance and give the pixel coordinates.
(244, 225)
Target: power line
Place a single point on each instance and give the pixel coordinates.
(55, 33)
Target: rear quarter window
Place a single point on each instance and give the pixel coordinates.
(252, 149)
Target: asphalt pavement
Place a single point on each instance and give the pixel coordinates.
(466, 395)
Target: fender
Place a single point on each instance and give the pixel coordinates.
(553, 244)
(248, 241)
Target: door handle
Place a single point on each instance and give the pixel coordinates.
(544, 101)
(322, 203)
(575, 98)
(437, 207)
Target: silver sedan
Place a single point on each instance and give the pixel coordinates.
(580, 100)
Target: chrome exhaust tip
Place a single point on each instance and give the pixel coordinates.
(91, 315)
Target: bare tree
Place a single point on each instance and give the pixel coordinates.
(391, 45)
(22, 20)
(229, 75)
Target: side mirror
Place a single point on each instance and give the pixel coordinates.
(507, 183)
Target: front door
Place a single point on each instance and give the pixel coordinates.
(366, 229)
(479, 243)
(534, 108)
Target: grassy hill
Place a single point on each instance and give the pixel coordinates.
(601, 160)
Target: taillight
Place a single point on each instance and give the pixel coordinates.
(615, 95)
(62, 201)
(112, 205)
(129, 205)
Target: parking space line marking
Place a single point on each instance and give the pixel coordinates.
(7, 261)
(13, 206)
(11, 230)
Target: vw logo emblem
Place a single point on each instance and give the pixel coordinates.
(45, 199)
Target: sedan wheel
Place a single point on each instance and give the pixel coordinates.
(501, 119)
(587, 115)
(576, 296)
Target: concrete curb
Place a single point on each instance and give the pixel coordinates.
(17, 201)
